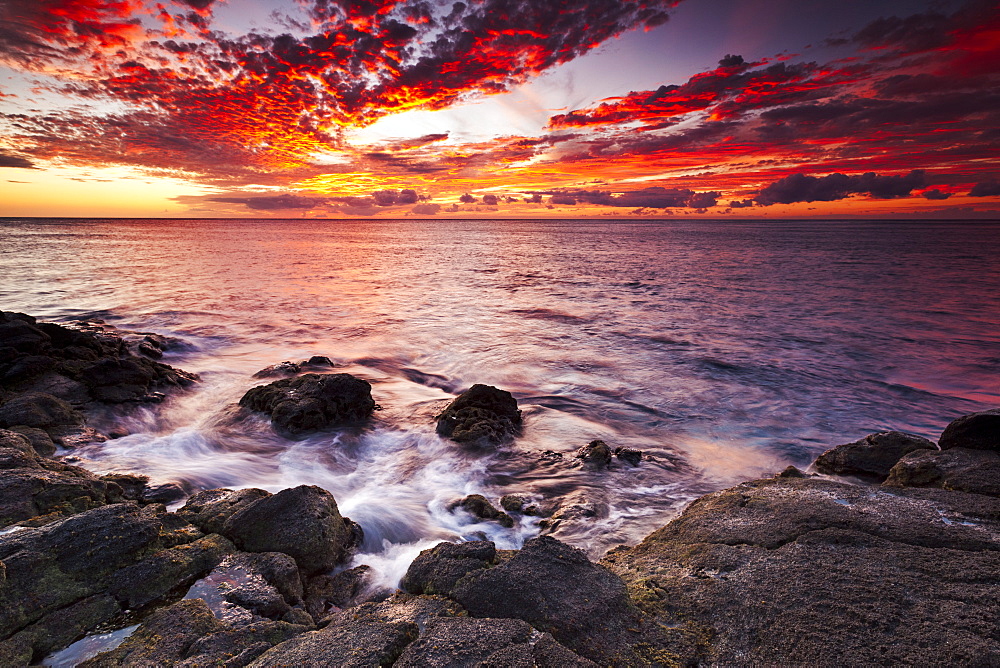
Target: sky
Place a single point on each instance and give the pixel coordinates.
(500, 108)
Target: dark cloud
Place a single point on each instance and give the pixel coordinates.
(562, 200)
(428, 209)
(741, 204)
(467, 199)
(646, 198)
(272, 202)
(935, 194)
(803, 188)
(986, 189)
(490, 200)
(391, 197)
(7, 160)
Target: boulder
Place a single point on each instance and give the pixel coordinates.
(19, 332)
(303, 522)
(116, 380)
(978, 431)
(164, 638)
(131, 484)
(38, 410)
(595, 454)
(872, 456)
(479, 507)
(167, 571)
(52, 567)
(437, 570)
(482, 415)
(267, 584)
(807, 571)
(556, 589)
(464, 641)
(962, 469)
(209, 509)
(312, 402)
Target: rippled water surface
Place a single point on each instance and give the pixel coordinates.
(725, 350)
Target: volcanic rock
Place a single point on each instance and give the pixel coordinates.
(978, 431)
(962, 469)
(556, 589)
(873, 456)
(209, 509)
(312, 402)
(595, 454)
(303, 522)
(435, 571)
(806, 571)
(481, 415)
(479, 506)
(463, 641)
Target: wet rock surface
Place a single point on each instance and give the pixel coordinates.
(482, 415)
(480, 507)
(873, 456)
(312, 402)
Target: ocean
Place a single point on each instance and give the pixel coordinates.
(726, 350)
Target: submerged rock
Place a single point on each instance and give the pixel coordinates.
(962, 469)
(595, 454)
(479, 506)
(312, 402)
(872, 456)
(629, 455)
(482, 415)
(302, 522)
(978, 431)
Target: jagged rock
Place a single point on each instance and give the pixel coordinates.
(463, 641)
(38, 410)
(279, 369)
(792, 472)
(872, 456)
(19, 332)
(481, 415)
(978, 431)
(312, 402)
(267, 584)
(556, 589)
(303, 522)
(54, 566)
(806, 571)
(595, 454)
(629, 455)
(962, 469)
(479, 506)
(165, 571)
(435, 571)
(209, 510)
(164, 638)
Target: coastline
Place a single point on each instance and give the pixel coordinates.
(797, 569)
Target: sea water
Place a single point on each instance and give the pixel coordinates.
(726, 350)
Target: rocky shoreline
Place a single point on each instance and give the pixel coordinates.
(888, 555)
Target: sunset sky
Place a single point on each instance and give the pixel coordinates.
(499, 108)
